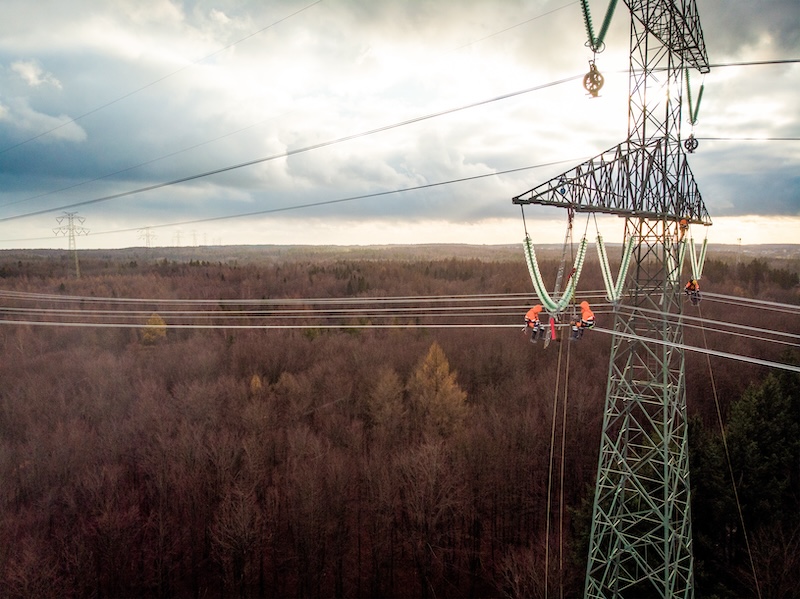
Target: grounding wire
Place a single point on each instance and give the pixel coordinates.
(686, 317)
(338, 200)
(754, 303)
(480, 312)
(206, 142)
(712, 352)
(748, 138)
(302, 300)
(525, 22)
(159, 80)
(730, 465)
(284, 316)
(596, 293)
(369, 311)
(353, 326)
(296, 151)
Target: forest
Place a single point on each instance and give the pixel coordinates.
(359, 461)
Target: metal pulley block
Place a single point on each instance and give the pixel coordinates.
(690, 143)
(593, 80)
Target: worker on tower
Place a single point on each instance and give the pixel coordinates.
(532, 323)
(586, 321)
(684, 226)
(692, 289)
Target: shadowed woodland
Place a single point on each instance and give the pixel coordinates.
(359, 462)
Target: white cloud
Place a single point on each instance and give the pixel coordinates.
(29, 121)
(33, 73)
(345, 67)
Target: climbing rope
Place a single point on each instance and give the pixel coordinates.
(567, 243)
(561, 473)
(728, 458)
(561, 490)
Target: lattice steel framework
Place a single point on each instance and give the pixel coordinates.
(641, 528)
(71, 229)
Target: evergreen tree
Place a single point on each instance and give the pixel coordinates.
(438, 404)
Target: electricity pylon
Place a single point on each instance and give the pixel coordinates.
(148, 236)
(70, 229)
(641, 544)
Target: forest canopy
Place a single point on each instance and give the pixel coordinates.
(356, 461)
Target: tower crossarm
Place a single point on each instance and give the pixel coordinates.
(638, 182)
(677, 24)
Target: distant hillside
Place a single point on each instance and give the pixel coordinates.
(257, 253)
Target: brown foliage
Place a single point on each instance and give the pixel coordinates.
(361, 462)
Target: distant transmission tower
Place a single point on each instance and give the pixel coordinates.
(148, 236)
(641, 529)
(69, 228)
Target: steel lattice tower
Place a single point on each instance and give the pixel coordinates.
(641, 544)
(70, 229)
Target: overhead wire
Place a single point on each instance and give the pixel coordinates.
(712, 352)
(293, 152)
(214, 139)
(159, 80)
(550, 469)
(753, 303)
(730, 465)
(130, 168)
(425, 312)
(323, 202)
(686, 319)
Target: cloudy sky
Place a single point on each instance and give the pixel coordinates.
(321, 100)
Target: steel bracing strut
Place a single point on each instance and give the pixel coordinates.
(641, 543)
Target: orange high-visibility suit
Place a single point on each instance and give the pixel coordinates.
(532, 316)
(587, 316)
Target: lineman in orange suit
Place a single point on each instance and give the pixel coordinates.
(532, 322)
(692, 289)
(586, 321)
(684, 226)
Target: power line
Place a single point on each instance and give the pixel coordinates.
(85, 182)
(159, 80)
(480, 306)
(472, 325)
(753, 63)
(748, 138)
(755, 303)
(135, 166)
(525, 22)
(338, 200)
(297, 151)
(712, 352)
(313, 204)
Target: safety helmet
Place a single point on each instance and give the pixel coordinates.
(584, 304)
